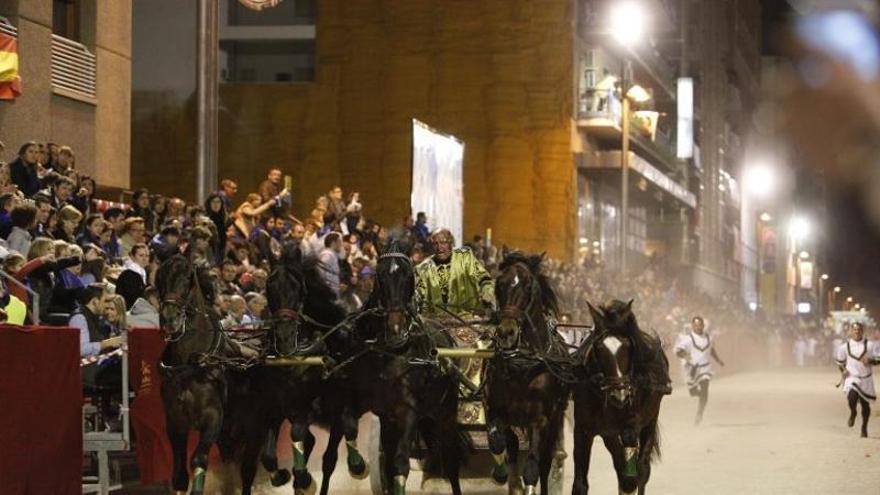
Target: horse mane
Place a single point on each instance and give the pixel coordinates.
(534, 262)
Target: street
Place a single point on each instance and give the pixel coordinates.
(779, 432)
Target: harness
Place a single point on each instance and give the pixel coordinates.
(629, 383)
(531, 360)
(213, 355)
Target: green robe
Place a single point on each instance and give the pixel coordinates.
(461, 286)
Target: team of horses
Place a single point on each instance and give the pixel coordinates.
(383, 359)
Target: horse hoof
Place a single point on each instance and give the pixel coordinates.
(864, 433)
(851, 421)
(359, 471)
(499, 475)
(310, 489)
(280, 477)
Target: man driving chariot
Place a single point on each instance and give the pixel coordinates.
(453, 281)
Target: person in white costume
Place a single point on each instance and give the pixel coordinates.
(695, 348)
(856, 358)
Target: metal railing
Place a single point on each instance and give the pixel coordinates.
(35, 298)
(102, 442)
(6, 27)
(599, 103)
(74, 70)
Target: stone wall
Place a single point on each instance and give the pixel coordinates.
(98, 132)
(498, 75)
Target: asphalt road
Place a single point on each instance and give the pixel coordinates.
(775, 432)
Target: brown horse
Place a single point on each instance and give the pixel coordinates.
(623, 375)
(525, 383)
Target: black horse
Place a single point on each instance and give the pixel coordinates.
(305, 322)
(623, 376)
(525, 382)
(193, 381)
(400, 381)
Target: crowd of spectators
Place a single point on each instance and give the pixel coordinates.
(92, 263)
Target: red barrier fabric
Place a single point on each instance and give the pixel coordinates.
(41, 443)
(153, 449)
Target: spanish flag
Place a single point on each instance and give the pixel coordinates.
(10, 82)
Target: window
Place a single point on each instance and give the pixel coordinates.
(286, 13)
(267, 61)
(66, 18)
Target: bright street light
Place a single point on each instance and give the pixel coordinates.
(628, 19)
(825, 276)
(759, 180)
(804, 255)
(849, 299)
(765, 217)
(798, 228)
(837, 289)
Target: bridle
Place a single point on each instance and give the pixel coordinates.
(180, 302)
(520, 315)
(294, 316)
(406, 310)
(620, 388)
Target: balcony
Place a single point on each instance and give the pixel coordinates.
(649, 63)
(599, 115)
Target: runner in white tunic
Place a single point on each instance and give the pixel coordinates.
(856, 357)
(695, 348)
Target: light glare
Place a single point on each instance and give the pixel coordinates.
(627, 22)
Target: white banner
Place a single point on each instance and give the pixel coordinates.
(437, 182)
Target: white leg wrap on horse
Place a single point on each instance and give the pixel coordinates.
(500, 458)
(351, 444)
(299, 455)
(530, 490)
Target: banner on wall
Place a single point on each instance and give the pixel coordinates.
(437, 181)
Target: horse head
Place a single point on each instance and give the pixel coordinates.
(286, 293)
(524, 296)
(610, 358)
(175, 279)
(394, 292)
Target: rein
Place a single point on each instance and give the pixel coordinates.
(559, 366)
(213, 356)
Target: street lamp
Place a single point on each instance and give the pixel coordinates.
(834, 294)
(798, 229)
(759, 182)
(628, 19)
(627, 23)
